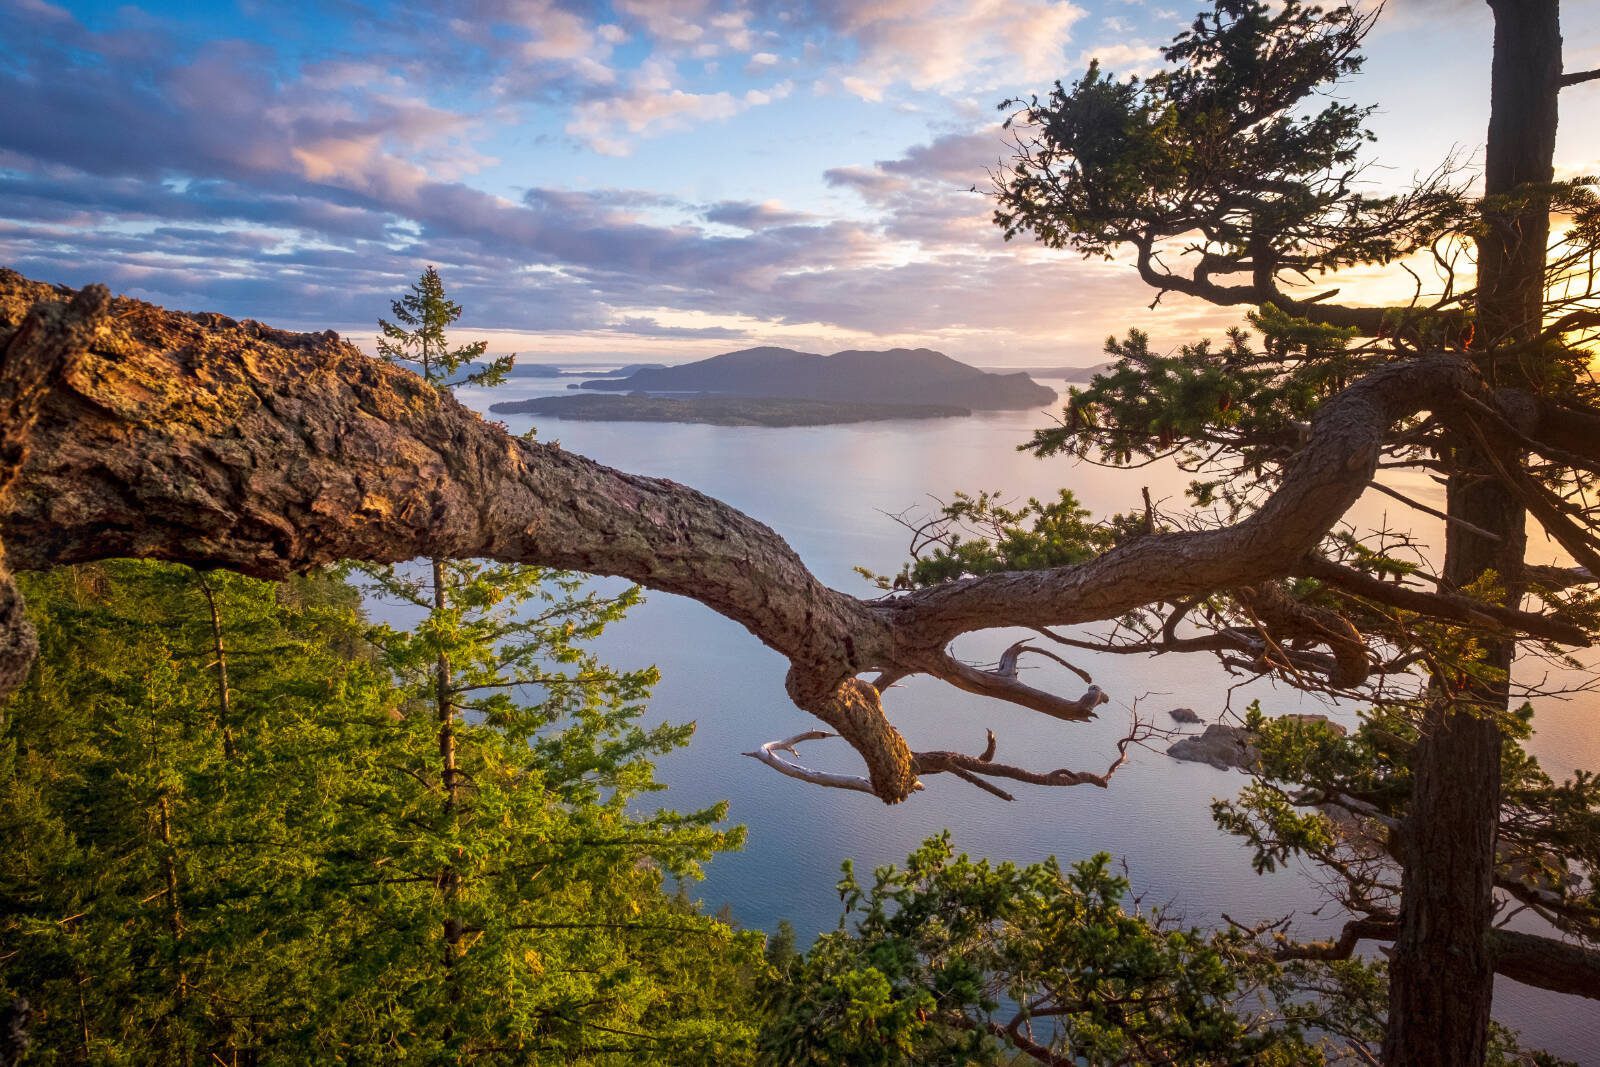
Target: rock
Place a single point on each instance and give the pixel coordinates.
(1223, 747)
(1229, 747)
(1185, 715)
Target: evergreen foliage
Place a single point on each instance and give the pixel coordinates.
(166, 901)
(949, 961)
(495, 661)
(1335, 799)
(1236, 176)
(416, 338)
(1228, 148)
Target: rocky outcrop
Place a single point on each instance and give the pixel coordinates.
(1223, 747)
(1231, 747)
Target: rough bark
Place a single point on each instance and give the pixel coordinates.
(1442, 973)
(1545, 963)
(33, 360)
(1532, 959)
(217, 443)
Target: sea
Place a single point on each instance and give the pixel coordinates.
(838, 494)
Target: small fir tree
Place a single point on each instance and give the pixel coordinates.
(416, 338)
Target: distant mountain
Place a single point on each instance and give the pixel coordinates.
(536, 370)
(898, 376)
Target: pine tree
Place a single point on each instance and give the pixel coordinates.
(416, 338)
(158, 864)
(494, 664)
(172, 895)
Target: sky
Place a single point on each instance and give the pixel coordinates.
(661, 179)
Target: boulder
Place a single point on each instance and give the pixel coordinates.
(1229, 747)
(1187, 715)
(1223, 747)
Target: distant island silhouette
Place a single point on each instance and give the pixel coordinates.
(720, 410)
(915, 376)
(547, 370)
(1071, 374)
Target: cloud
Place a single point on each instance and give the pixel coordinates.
(533, 48)
(222, 114)
(645, 326)
(653, 105)
(695, 27)
(745, 215)
(952, 45)
(1123, 58)
(959, 157)
(309, 189)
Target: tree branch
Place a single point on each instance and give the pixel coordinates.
(33, 359)
(768, 754)
(217, 443)
(1546, 963)
(1447, 606)
(1532, 959)
(970, 767)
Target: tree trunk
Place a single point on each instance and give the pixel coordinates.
(1442, 975)
(444, 704)
(220, 650)
(444, 708)
(175, 925)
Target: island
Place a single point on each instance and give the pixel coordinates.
(721, 410)
(899, 376)
(1071, 374)
(550, 370)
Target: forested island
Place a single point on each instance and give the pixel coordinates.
(546, 370)
(720, 410)
(911, 376)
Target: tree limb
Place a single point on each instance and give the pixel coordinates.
(1532, 959)
(1447, 606)
(1546, 963)
(768, 754)
(217, 443)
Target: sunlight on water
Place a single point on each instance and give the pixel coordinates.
(830, 492)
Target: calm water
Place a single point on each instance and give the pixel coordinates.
(826, 490)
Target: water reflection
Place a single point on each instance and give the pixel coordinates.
(826, 490)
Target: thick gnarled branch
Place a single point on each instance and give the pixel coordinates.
(32, 361)
(231, 444)
(1532, 959)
